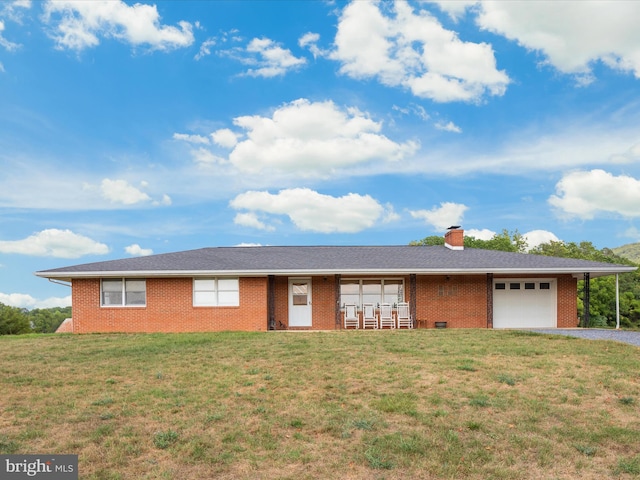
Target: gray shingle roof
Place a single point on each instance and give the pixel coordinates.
(320, 260)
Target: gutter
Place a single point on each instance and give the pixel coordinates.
(59, 282)
(577, 273)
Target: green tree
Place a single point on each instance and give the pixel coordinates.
(47, 320)
(505, 241)
(431, 241)
(602, 300)
(582, 250)
(13, 320)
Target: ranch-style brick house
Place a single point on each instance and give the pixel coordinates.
(307, 288)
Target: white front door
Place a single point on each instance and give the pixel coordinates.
(299, 302)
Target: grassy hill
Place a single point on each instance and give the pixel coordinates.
(471, 404)
(630, 251)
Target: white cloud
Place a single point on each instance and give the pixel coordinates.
(6, 44)
(566, 143)
(630, 156)
(310, 40)
(389, 215)
(67, 188)
(121, 191)
(271, 60)
(204, 157)
(166, 200)
(23, 300)
(413, 50)
(80, 24)
(312, 211)
(205, 48)
(55, 243)
(484, 234)
(455, 9)
(12, 11)
(538, 237)
(197, 139)
(448, 127)
(250, 219)
(585, 194)
(313, 138)
(136, 250)
(632, 232)
(571, 35)
(442, 217)
(412, 109)
(225, 138)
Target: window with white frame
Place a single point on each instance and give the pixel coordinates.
(349, 292)
(123, 292)
(375, 291)
(392, 291)
(216, 292)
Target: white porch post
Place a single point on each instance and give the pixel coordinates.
(617, 303)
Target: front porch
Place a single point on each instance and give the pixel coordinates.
(433, 301)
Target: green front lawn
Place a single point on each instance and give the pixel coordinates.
(454, 404)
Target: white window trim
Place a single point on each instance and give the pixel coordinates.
(361, 281)
(124, 293)
(216, 291)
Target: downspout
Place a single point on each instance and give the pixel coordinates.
(617, 304)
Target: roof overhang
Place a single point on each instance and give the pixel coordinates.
(593, 272)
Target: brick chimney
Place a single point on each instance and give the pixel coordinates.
(454, 238)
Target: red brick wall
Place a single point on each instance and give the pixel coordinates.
(282, 303)
(567, 302)
(169, 309)
(461, 301)
(324, 305)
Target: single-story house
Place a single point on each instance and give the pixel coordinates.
(307, 287)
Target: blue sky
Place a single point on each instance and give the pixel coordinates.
(142, 128)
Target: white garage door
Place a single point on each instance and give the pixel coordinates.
(524, 303)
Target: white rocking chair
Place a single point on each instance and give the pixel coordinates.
(404, 316)
(369, 318)
(351, 318)
(386, 316)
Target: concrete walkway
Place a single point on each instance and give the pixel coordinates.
(632, 338)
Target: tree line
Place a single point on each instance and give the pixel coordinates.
(602, 300)
(15, 321)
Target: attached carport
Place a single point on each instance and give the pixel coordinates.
(522, 302)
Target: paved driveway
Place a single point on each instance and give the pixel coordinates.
(623, 336)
